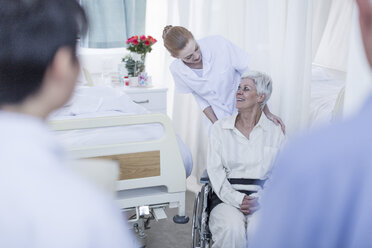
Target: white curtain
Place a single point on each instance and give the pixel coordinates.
(332, 25)
(321, 9)
(290, 28)
(337, 45)
(359, 78)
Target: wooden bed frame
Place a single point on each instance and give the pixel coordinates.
(151, 172)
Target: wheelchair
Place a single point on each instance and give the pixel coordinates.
(200, 233)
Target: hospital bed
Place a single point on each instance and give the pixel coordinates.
(152, 173)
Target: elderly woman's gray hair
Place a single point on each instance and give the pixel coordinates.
(263, 83)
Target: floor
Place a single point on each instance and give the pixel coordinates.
(166, 234)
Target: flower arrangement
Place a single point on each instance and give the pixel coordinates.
(139, 47)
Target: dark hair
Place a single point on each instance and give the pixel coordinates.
(31, 32)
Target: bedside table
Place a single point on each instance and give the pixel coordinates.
(153, 99)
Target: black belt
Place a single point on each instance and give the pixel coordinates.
(245, 181)
(214, 200)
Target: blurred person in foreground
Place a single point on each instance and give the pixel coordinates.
(44, 204)
(321, 191)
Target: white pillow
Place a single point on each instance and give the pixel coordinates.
(100, 99)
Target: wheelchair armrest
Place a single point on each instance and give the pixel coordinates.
(204, 179)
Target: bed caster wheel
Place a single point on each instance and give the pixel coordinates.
(180, 219)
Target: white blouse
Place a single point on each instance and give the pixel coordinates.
(232, 155)
(223, 63)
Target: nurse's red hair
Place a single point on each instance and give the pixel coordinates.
(175, 38)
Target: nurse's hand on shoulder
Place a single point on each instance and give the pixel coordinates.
(249, 205)
(276, 120)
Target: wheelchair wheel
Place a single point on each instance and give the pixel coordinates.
(200, 230)
(205, 235)
(195, 232)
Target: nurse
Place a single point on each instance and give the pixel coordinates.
(210, 69)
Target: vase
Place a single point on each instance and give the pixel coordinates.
(133, 81)
(141, 65)
(134, 63)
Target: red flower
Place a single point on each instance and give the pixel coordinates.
(141, 45)
(131, 39)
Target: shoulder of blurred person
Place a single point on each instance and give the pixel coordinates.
(45, 203)
(321, 191)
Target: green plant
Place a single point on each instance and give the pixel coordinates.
(133, 65)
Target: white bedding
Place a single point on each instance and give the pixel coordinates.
(326, 85)
(110, 135)
(91, 102)
(98, 99)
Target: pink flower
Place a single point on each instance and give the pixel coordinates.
(140, 44)
(131, 39)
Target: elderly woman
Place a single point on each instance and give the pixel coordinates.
(241, 152)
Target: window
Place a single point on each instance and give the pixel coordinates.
(112, 22)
